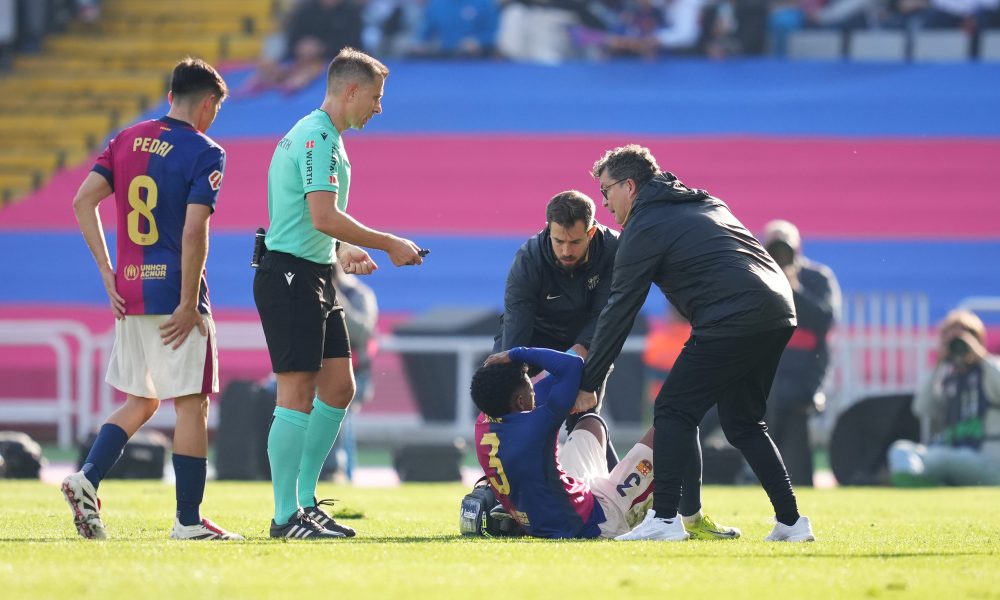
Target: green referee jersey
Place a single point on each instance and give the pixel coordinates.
(310, 158)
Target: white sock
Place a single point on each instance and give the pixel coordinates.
(692, 519)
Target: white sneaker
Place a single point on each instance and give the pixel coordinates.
(801, 531)
(655, 528)
(86, 506)
(206, 530)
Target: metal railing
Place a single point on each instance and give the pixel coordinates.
(883, 345)
(60, 410)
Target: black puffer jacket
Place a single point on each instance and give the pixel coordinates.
(547, 306)
(710, 268)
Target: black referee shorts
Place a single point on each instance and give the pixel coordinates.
(302, 319)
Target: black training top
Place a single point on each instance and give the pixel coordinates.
(710, 268)
(549, 306)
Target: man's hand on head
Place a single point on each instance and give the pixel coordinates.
(497, 359)
(584, 402)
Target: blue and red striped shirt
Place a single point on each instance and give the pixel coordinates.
(520, 455)
(156, 168)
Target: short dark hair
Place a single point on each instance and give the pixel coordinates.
(493, 387)
(633, 162)
(353, 65)
(566, 208)
(195, 77)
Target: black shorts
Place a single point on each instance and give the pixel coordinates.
(302, 319)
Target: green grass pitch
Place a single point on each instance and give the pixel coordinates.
(873, 543)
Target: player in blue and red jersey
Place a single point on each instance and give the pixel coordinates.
(572, 494)
(165, 175)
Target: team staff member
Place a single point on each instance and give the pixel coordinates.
(307, 192)
(165, 175)
(739, 303)
(559, 282)
(560, 279)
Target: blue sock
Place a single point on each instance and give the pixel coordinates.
(105, 452)
(190, 474)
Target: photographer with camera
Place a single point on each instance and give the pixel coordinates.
(959, 409)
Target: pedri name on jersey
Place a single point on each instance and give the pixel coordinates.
(151, 145)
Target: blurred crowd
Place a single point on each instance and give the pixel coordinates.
(542, 31)
(551, 31)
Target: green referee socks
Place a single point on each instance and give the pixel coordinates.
(284, 452)
(324, 425)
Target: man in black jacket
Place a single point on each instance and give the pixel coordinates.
(741, 311)
(560, 280)
(558, 284)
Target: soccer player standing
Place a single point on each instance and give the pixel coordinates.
(165, 175)
(307, 193)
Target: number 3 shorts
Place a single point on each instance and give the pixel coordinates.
(625, 493)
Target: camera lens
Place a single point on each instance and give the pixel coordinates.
(957, 348)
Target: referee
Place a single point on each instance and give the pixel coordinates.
(307, 191)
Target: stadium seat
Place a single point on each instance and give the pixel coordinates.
(59, 106)
(815, 45)
(940, 46)
(877, 46)
(241, 47)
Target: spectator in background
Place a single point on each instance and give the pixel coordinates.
(459, 28)
(361, 313)
(538, 30)
(959, 409)
(392, 27)
(638, 20)
(677, 30)
(315, 31)
(797, 390)
(334, 23)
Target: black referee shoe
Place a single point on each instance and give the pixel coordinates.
(326, 521)
(301, 527)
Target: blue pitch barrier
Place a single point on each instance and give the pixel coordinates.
(55, 268)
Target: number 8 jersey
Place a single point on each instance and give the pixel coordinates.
(156, 168)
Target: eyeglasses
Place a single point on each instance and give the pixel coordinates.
(604, 190)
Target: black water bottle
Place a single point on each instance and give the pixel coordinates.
(258, 248)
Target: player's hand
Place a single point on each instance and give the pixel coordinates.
(355, 260)
(497, 359)
(584, 402)
(117, 302)
(179, 326)
(403, 252)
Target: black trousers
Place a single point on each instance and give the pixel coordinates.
(736, 374)
(788, 426)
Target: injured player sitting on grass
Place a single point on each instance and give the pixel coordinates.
(567, 493)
